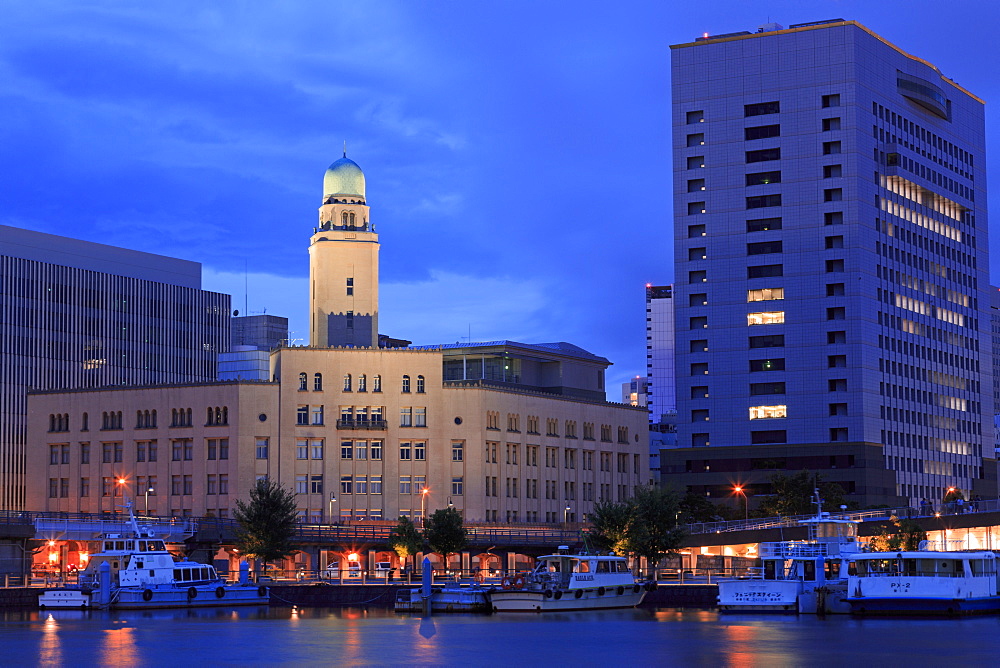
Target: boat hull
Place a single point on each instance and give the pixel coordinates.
(783, 597)
(444, 600)
(528, 600)
(135, 598)
(77, 599)
(907, 607)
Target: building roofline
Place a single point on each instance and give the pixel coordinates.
(155, 386)
(835, 24)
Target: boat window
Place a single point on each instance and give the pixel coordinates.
(584, 567)
(185, 574)
(852, 568)
(151, 572)
(622, 567)
(832, 570)
(809, 570)
(553, 567)
(120, 545)
(109, 545)
(142, 546)
(602, 566)
(769, 570)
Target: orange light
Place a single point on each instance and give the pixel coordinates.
(738, 489)
(353, 556)
(53, 557)
(424, 490)
(121, 481)
(52, 543)
(84, 557)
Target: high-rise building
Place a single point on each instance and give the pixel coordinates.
(662, 383)
(831, 266)
(253, 338)
(76, 314)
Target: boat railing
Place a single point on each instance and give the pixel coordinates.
(791, 549)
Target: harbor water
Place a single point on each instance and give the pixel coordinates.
(262, 636)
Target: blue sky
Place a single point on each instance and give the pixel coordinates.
(517, 153)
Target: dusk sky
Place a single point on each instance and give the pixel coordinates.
(517, 154)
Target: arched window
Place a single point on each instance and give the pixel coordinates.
(420, 384)
(218, 415)
(225, 415)
(376, 383)
(352, 220)
(362, 383)
(347, 382)
(406, 383)
(52, 421)
(153, 423)
(343, 219)
(173, 417)
(303, 381)
(211, 414)
(138, 420)
(317, 382)
(85, 425)
(187, 421)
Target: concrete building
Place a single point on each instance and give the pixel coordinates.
(80, 314)
(832, 271)
(503, 431)
(253, 339)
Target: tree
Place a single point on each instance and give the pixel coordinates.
(645, 525)
(907, 536)
(444, 532)
(653, 531)
(793, 495)
(266, 524)
(405, 539)
(697, 508)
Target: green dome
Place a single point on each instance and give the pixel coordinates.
(344, 177)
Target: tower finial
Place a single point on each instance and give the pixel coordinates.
(345, 148)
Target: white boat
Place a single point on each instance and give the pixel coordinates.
(799, 576)
(136, 571)
(925, 582)
(563, 582)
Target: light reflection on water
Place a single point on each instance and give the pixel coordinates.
(352, 636)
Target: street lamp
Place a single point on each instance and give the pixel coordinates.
(566, 515)
(333, 500)
(746, 502)
(149, 488)
(121, 483)
(423, 499)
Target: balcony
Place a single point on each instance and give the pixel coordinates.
(362, 424)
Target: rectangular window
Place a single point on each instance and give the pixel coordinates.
(699, 392)
(457, 451)
(831, 124)
(836, 361)
(833, 194)
(699, 369)
(765, 294)
(317, 415)
(835, 241)
(419, 417)
(832, 171)
(347, 484)
(772, 364)
(696, 162)
(404, 484)
(152, 451)
(836, 313)
(763, 155)
(695, 117)
(375, 486)
(837, 385)
(761, 132)
(85, 453)
(211, 485)
(839, 336)
(764, 247)
(188, 485)
(762, 201)
(210, 449)
(456, 486)
(695, 208)
(223, 483)
(697, 139)
(761, 108)
(768, 412)
(301, 449)
(698, 322)
(223, 448)
(695, 231)
(833, 218)
(765, 271)
(768, 436)
(699, 415)
(766, 318)
(175, 485)
(85, 487)
(831, 148)
(831, 100)
(316, 484)
(694, 185)
(768, 341)
(763, 178)
(406, 417)
(834, 266)
(376, 450)
(347, 449)
(698, 299)
(757, 389)
(420, 451)
(262, 446)
(696, 254)
(302, 415)
(405, 451)
(698, 276)
(188, 450)
(699, 346)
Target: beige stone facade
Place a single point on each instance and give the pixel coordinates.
(355, 433)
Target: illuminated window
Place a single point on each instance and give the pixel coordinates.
(764, 412)
(766, 318)
(765, 294)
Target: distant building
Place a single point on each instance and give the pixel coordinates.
(81, 314)
(832, 267)
(635, 392)
(661, 377)
(253, 339)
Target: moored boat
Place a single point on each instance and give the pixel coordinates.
(798, 576)
(925, 582)
(564, 582)
(449, 598)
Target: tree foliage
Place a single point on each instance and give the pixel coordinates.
(645, 525)
(696, 507)
(907, 536)
(266, 523)
(405, 539)
(445, 533)
(793, 495)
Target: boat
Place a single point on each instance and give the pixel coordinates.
(564, 582)
(925, 582)
(135, 571)
(451, 597)
(799, 576)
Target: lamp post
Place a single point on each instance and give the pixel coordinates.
(146, 504)
(738, 489)
(121, 483)
(423, 499)
(333, 500)
(566, 515)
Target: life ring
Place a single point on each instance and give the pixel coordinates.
(621, 590)
(548, 593)
(506, 583)
(578, 593)
(147, 595)
(192, 593)
(601, 591)
(635, 589)
(558, 595)
(262, 590)
(220, 592)
(518, 582)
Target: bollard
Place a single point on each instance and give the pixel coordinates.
(105, 588)
(244, 573)
(425, 589)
